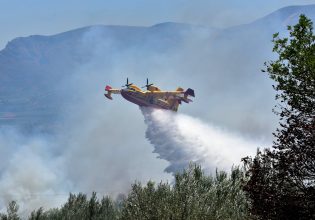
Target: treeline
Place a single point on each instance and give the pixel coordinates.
(193, 195)
(278, 183)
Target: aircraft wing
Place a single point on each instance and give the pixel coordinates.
(178, 95)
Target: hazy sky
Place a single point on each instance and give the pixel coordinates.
(23, 18)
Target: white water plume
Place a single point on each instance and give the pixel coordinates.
(181, 139)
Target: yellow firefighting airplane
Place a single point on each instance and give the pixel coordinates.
(153, 96)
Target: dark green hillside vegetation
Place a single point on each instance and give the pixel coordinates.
(282, 179)
(194, 195)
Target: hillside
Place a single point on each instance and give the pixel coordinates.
(39, 73)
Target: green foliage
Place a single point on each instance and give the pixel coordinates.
(294, 69)
(148, 202)
(78, 207)
(12, 212)
(193, 196)
(282, 180)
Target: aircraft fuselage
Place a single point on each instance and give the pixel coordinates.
(146, 99)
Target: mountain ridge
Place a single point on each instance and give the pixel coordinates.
(284, 13)
(38, 64)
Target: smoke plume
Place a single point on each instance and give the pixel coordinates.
(30, 173)
(98, 145)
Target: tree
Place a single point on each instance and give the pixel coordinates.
(79, 207)
(282, 180)
(194, 195)
(12, 212)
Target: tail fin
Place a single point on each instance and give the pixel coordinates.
(108, 94)
(107, 88)
(189, 92)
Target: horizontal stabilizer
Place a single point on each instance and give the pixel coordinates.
(187, 100)
(108, 96)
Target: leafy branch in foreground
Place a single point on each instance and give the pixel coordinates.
(282, 180)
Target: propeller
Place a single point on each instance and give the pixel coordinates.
(127, 84)
(147, 85)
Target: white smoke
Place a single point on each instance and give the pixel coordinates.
(181, 139)
(40, 171)
(29, 172)
(100, 145)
